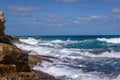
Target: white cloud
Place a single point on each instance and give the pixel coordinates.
(89, 18)
(118, 17)
(79, 20)
(111, 0)
(23, 8)
(116, 10)
(69, 1)
(73, 1)
(19, 14)
(51, 20)
(97, 17)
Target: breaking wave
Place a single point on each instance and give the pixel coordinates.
(79, 59)
(111, 40)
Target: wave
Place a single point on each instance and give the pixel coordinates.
(68, 41)
(72, 63)
(111, 40)
(31, 41)
(67, 52)
(50, 43)
(67, 73)
(55, 48)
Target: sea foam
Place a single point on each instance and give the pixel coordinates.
(111, 40)
(31, 41)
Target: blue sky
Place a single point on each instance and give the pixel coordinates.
(61, 17)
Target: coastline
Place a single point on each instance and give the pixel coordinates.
(15, 63)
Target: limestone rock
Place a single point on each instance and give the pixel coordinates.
(10, 54)
(3, 38)
(13, 39)
(6, 40)
(2, 21)
(34, 59)
(6, 69)
(34, 75)
(9, 39)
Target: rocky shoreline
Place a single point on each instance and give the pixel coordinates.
(16, 64)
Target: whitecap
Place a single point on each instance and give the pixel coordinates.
(31, 41)
(68, 73)
(111, 40)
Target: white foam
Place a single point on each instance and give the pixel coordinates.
(118, 77)
(68, 41)
(78, 54)
(57, 41)
(31, 41)
(70, 73)
(57, 70)
(61, 53)
(35, 50)
(111, 40)
(68, 53)
(104, 54)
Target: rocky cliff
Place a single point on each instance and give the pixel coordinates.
(14, 62)
(3, 37)
(2, 21)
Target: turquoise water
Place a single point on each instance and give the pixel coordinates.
(77, 57)
(83, 42)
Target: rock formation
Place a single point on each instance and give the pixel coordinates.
(2, 21)
(3, 37)
(14, 64)
(13, 55)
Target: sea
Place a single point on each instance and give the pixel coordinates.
(86, 57)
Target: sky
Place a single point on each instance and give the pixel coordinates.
(61, 17)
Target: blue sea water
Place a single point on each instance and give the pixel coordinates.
(76, 57)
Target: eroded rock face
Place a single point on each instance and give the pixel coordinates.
(13, 55)
(6, 69)
(3, 38)
(2, 21)
(34, 75)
